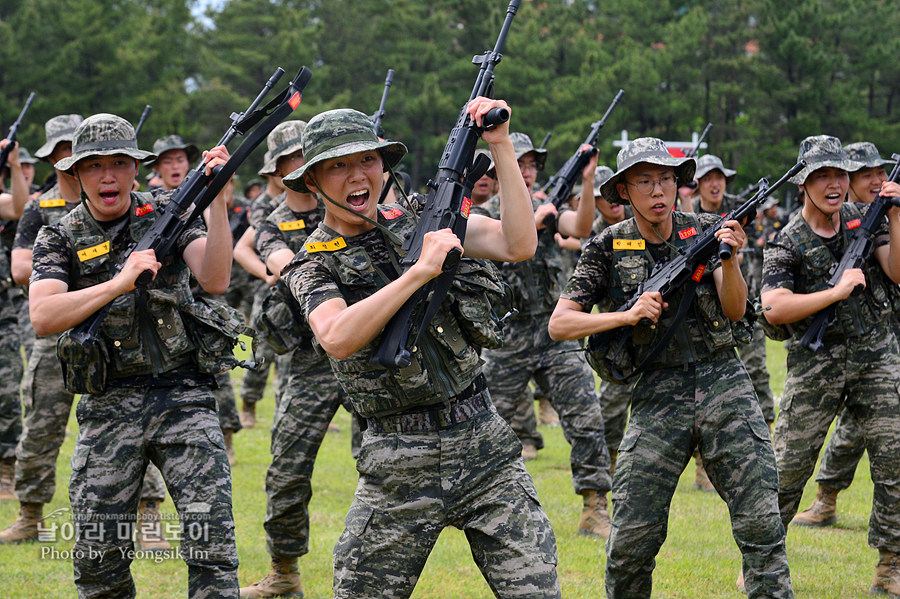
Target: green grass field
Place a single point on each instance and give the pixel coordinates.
(699, 559)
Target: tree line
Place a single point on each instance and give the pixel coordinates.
(764, 72)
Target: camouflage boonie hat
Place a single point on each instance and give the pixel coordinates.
(708, 162)
(601, 176)
(264, 170)
(866, 153)
(25, 157)
(59, 128)
(253, 182)
(103, 135)
(652, 151)
(522, 145)
(770, 202)
(337, 133)
(173, 142)
(820, 151)
(284, 139)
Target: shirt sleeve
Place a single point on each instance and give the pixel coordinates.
(269, 240)
(29, 225)
(779, 263)
(51, 256)
(589, 281)
(310, 282)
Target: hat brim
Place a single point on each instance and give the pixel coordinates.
(684, 172)
(66, 164)
(45, 150)
(269, 167)
(846, 165)
(540, 157)
(192, 151)
(729, 174)
(391, 152)
(876, 163)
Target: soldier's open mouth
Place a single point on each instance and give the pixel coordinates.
(108, 197)
(358, 199)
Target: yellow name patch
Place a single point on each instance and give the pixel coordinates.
(326, 246)
(628, 244)
(94, 252)
(294, 225)
(52, 203)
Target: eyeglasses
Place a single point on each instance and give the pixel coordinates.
(528, 166)
(646, 186)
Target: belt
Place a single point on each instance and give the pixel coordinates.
(468, 404)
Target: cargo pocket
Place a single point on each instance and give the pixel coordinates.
(163, 308)
(120, 327)
(624, 465)
(546, 540)
(348, 549)
(632, 272)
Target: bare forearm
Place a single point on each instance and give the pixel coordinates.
(245, 255)
(277, 260)
(61, 311)
(11, 208)
(579, 223)
(215, 272)
(732, 290)
(785, 307)
(516, 213)
(568, 321)
(21, 265)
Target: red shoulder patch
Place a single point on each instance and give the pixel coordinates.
(142, 210)
(466, 207)
(392, 213)
(853, 223)
(687, 233)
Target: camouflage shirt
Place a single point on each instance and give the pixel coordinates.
(48, 209)
(286, 229)
(729, 203)
(262, 207)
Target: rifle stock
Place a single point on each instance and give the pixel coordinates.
(447, 206)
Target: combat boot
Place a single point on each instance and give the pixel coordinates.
(7, 479)
(282, 581)
(25, 527)
(529, 452)
(248, 414)
(822, 512)
(229, 445)
(701, 479)
(149, 534)
(595, 515)
(546, 414)
(887, 575)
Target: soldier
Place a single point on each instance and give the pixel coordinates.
(847, 444)
(435, 453)
(859, 363)
(46, 400)
(712, 198)
(172, 163)
(252, 189)
(310, 397)
(156, 403)
(11, 205)
(695, 394)
(561, 373)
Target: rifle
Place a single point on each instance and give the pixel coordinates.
(13, 132)
(144, 115)
(379, 114)
(447, 206)
(858, 251)
(696, 149)
(561, 184)
(199, 189)
(687, 268)
(547, 137)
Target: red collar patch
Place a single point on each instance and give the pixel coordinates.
(687, 233)
(142, 210)
(853, 224)
(392, 213)
(466, 207)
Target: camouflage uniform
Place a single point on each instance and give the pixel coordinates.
(308, 403)
(167, 418)
(45, 400)
(857, 368)
(696, 395)
(10, 363)
(561, 375)
(435, 453)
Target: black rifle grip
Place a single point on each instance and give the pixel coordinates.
(494, 117)
(452, 259)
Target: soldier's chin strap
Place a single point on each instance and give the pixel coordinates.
(395, 239)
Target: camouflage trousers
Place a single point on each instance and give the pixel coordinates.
(842, 454)
(254, 383)
(859, 373)
(708, 406)
(614, 403)
(562, 375)
(413, 485)
(226, 406)
(523, 420)
(753, 355)
(11, 370)
(308, 404)
(47, 404)
(121, 431)
(26, 331)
